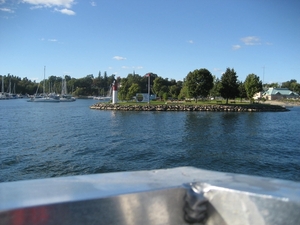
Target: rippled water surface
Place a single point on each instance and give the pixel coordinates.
(40, 140)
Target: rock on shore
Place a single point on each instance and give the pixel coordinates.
(214, 108)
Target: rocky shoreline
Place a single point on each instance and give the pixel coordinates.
(213, 108)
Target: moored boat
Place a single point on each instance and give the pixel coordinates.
(65, 97)
(52, 97)
(43, 99)
(102, 98)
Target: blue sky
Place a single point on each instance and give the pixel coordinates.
(166, 37)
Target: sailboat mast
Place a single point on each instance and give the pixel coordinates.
(44, 81)
(65, 86)
(2, 84)
(62, 87)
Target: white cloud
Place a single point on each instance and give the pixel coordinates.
(251, 40)
(236, 47)
(62, 6)
(191, 41)
(138, 67)
(93, 3)
(52, 40)
(125, 67)
(119, 58)
(2, 2)
(66, 11)
(7, 10)
(51, 3)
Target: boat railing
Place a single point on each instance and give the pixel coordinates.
(177, 196)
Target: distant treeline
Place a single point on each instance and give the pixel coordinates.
(88, 85)
(198, 83)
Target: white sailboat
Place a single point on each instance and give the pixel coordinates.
(10, 94)
(65, 97)
(44, 98)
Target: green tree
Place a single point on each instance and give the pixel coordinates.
(123, 90)
(199, 83)
(134, 88)
(175, 88)
(165, 96)
(215, 91)
(229, 82)
(80, 92)
(163, 93)
(135, 79)
(272, 85)
(296, 88)
(242, 90)
(105, 85)
(292, 85)
(174, 91)
(84, 85)
(71, 85)
(289, 84)
(183, 93)
(97, 84)
(158, 84)
(252, 85)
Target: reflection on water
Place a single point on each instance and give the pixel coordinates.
(47, 140)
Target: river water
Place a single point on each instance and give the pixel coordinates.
(42, 140)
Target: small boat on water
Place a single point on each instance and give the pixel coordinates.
(52, 97)
(106, 98)
(102, 98)
(65, 97)
(43, 99)
(178, 196)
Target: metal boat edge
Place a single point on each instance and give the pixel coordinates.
(183, 195)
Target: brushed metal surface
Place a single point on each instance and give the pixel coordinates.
(148, 198)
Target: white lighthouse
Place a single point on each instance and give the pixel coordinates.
(114, 92)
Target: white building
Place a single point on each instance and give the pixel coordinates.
(279, 93)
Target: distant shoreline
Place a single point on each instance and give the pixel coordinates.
(283, 103)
